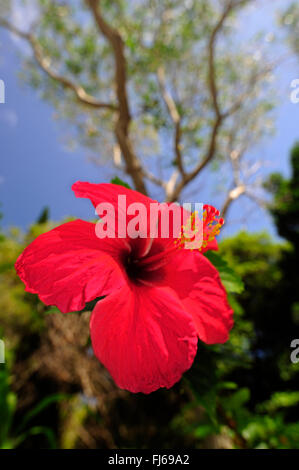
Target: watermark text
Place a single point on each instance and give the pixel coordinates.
(294, 96)
(2, 92)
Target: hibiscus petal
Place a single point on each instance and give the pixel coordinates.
(212, 245)
(144, 337)
(66, 267)
(108, 192)
(199, 287)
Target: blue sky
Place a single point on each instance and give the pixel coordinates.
(37, 170)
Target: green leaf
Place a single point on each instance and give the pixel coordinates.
(120, 182)
(35, 431)
(87, 308)
(226, 386)
(231, 281)
(91, 305)
(279, 400)
(8, 403)
(204, 430)
(44, 216)
(47, 401)
(6, 267)
(236, 400)
(52, 310)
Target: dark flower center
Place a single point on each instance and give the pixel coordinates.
(140, 271)
(133, 269)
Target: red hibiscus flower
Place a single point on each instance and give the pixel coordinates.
(159, 299)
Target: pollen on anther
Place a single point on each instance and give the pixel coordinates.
(211, 225)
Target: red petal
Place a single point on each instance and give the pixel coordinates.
(212, 245)
(66, 267)
(144, 337)
(108, 192)
(198, 285)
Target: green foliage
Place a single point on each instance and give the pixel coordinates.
(254, 258)
(285, 207)
(239, 394)
(259, 403)
(44, 216)
(289, 19)
(11, 437)
(155, 34)
(231, 281)
(120, 182)
(8, 401)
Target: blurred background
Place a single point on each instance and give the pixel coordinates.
(194, 100)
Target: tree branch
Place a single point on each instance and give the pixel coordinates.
(213, 90)
(154, 179)
(211, 59)
(132, 163)
(232, 196)
(209, 155)
(212, 82)
(44, 64)
(251, 83)
(175, 117)
(241, 184)
(258, 200)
